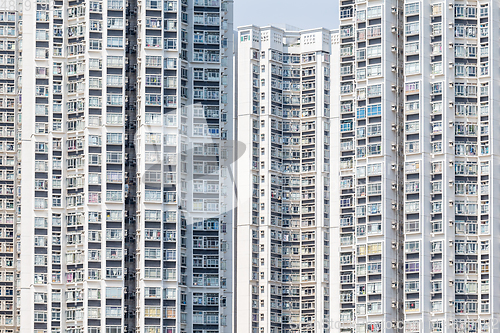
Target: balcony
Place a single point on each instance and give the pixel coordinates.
(412, 147)
(154, 5)
(346, 12)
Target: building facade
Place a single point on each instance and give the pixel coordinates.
(184, 153)
(125, 101)
(368, 207)
(283, 213)
(418, 166)
(367, 169)
(10, 48)
(449, 101)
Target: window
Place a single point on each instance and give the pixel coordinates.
(113, 311)
(170, 43)
(412, 147)
(114, 80)
(437, 29)
(115, 23)
(374, 90)
(412, 286)
(412, 87)
(361, 73)
(40, 297)
(374, 169)
(412, 267)
(96, 44)
(412, 247)
(346, 12)
(155, 80)
(412, 127)
(412, 28)
(374, 12)
(437, 48)
(114, 99)
(112, 195)
(114, 292)
(412, 67)
(94, 313)
(114, 118)
(373, 51)
(114, 138)
(153, 42)
(412, 8)
(40, 316)
(412, 207)
(374, 70)
(115, 4)
(360, 113)
(374, 110)
(113, 329)
(152, 292)
(374, 248)
(153, 195)
(437, 68)
(113, 273)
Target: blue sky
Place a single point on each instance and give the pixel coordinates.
(302, 14)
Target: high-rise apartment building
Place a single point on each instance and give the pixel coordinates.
(283, 214)
(126, 210)
(418, 166)
(366, 169)
(9, 177)
(184, 150)
(368, 206)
